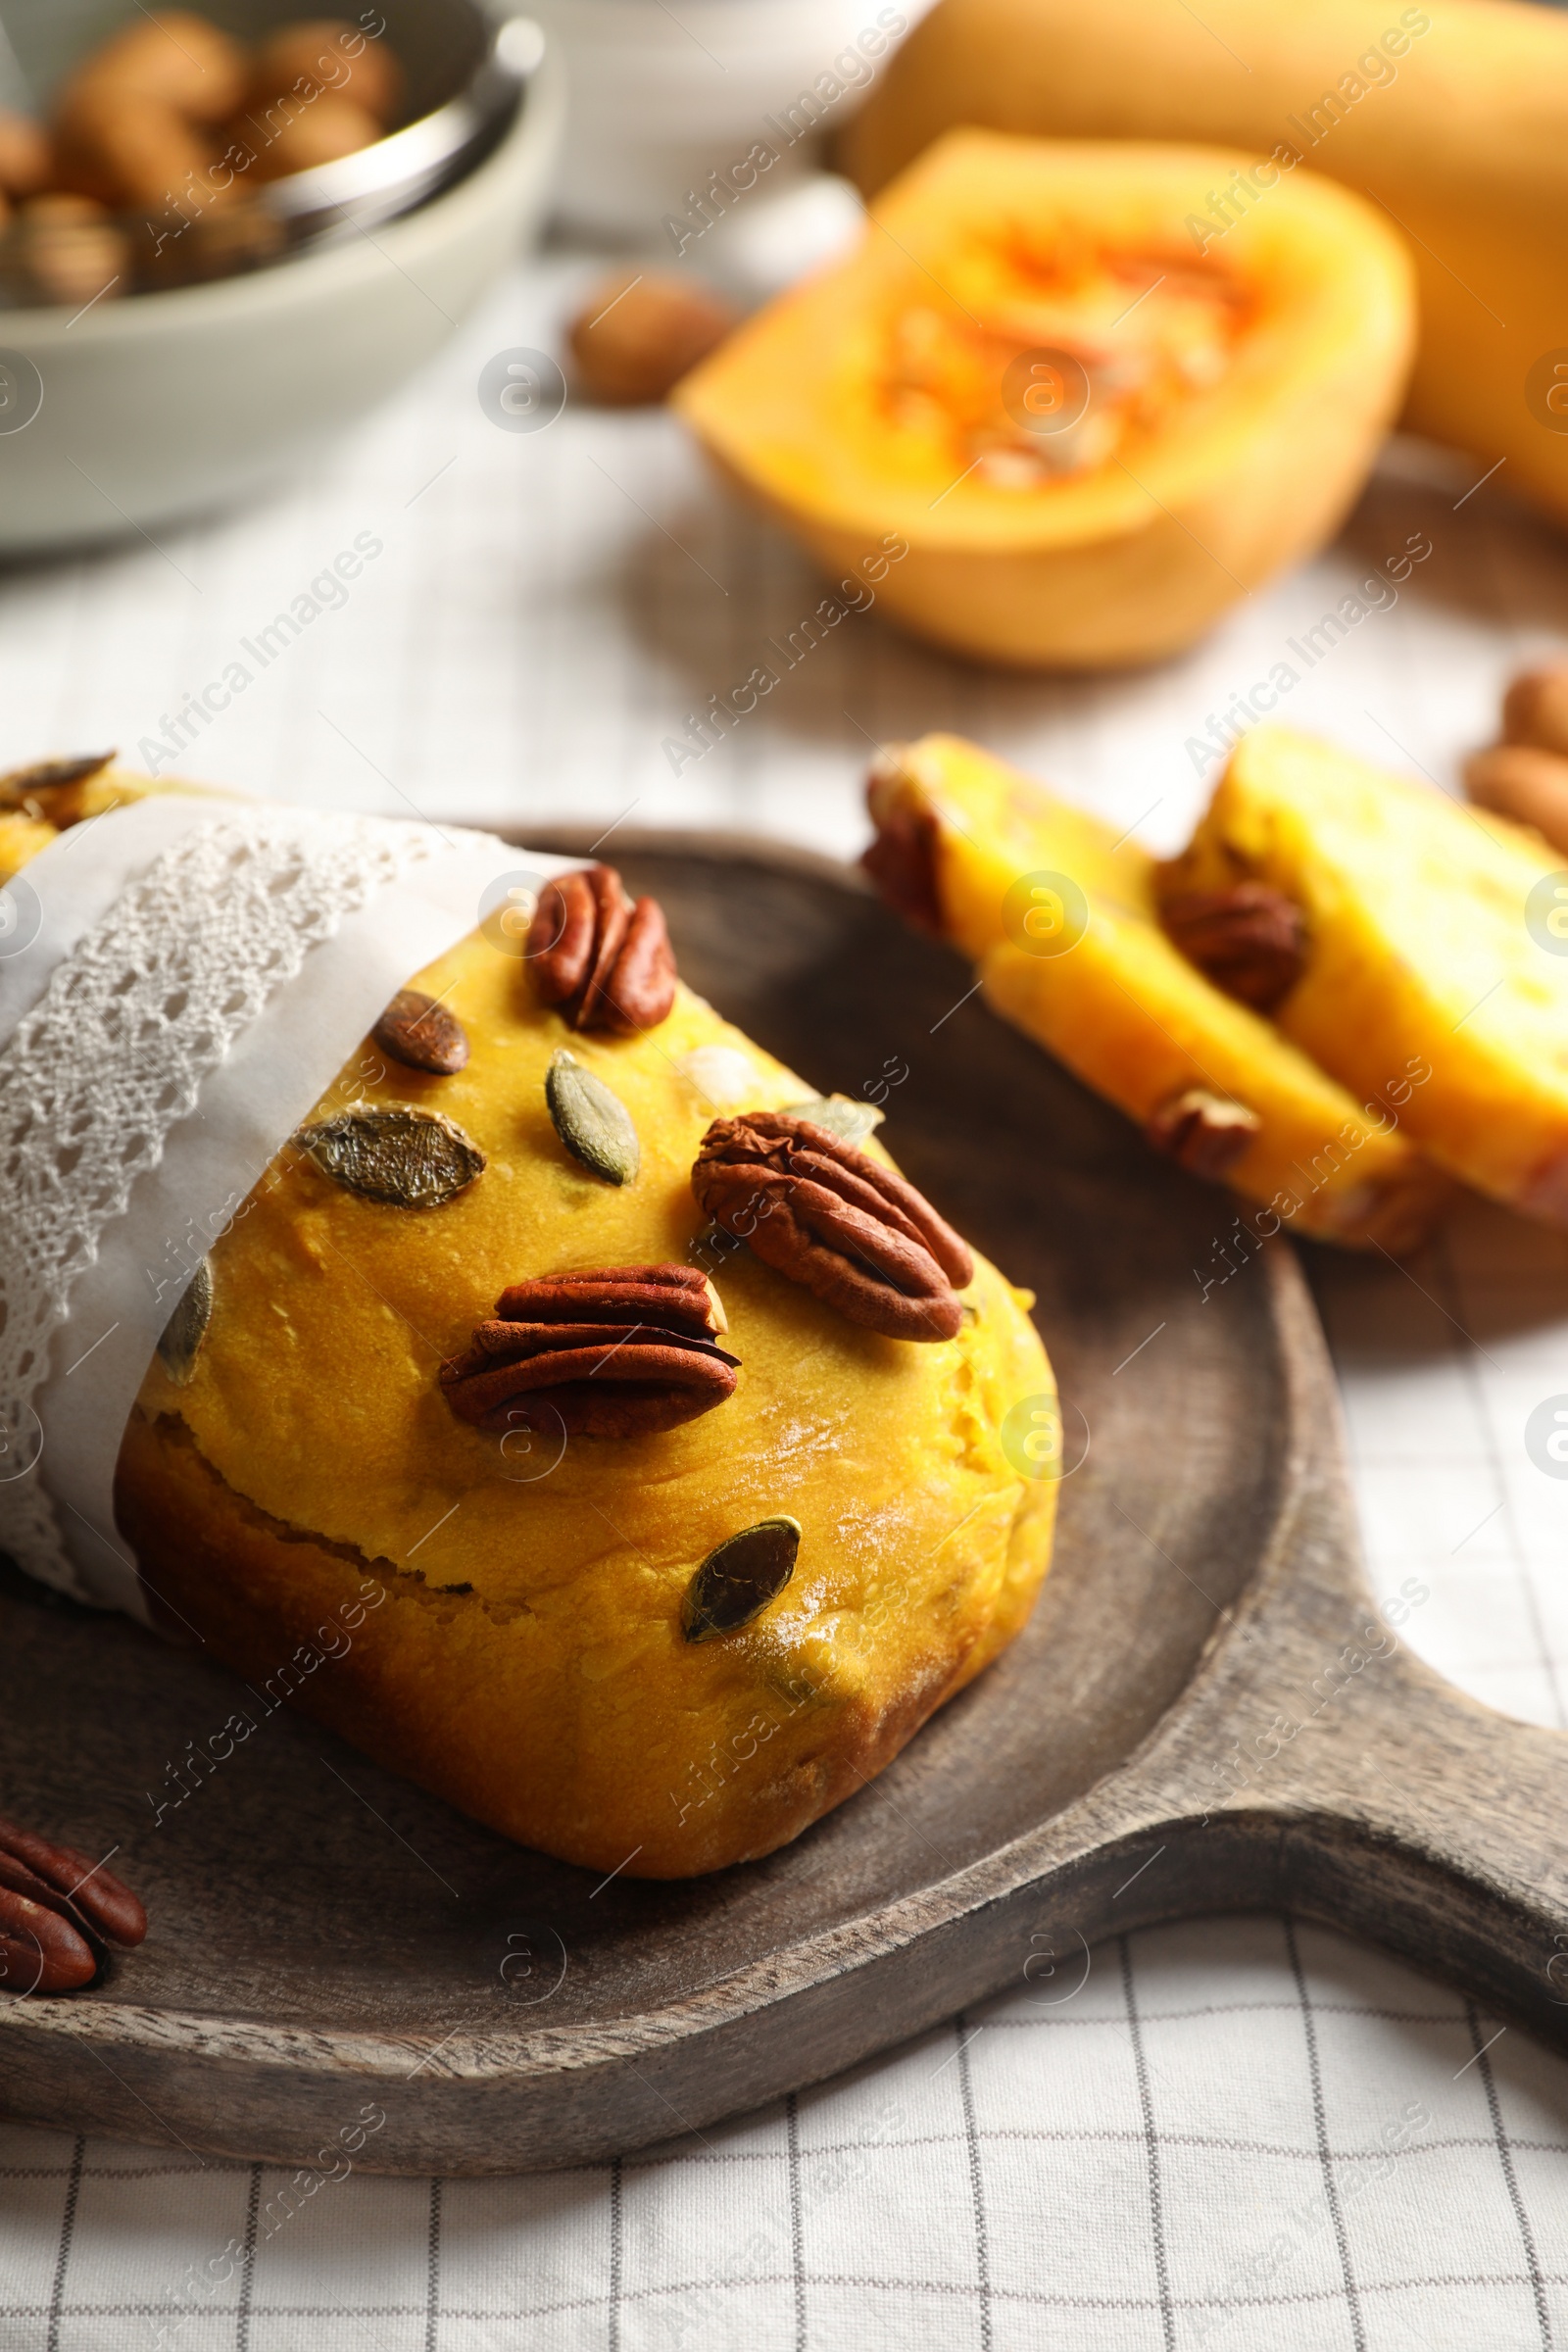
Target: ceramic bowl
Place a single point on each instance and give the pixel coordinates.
(145, 410)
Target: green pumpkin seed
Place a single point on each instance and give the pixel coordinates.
(593, 1124)
(737, 1579)
(408, 1158)
(182, 1335)
(842, 1116)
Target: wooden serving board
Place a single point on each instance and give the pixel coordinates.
(326, 1937)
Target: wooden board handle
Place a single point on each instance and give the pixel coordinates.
(1409, 1814)
(1319, 1766)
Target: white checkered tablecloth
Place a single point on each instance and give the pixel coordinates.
(1241, 2132)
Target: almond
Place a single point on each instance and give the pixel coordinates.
(329, 54)
(174, 58)
(636, 336)
(292, 135)
(1522, 781)
(26, 160)
(1534, 708)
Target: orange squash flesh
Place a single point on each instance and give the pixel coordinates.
(1088, 439)
(1453, 119)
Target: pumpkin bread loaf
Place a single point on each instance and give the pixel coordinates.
(487, 1437)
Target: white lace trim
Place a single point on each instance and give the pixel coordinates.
(113, 1057)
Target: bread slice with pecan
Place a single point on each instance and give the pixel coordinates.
(1165, 1011)
(1440, 950)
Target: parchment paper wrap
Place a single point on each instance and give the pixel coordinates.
(180, 982)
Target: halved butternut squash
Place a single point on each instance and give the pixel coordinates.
(1454, 120)
(1088, 439)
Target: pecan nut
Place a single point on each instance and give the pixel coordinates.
(50, 790)
(423, 1034)
(902, 859)
(836, 1221)
(1249, 940)
(56, 1911)
(1202, 1132)
(601, 959)
(612, 1353)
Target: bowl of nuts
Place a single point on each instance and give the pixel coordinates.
(227, 232)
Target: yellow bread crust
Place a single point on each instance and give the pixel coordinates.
(1421, 956)
(527, 1660)
(22, 837)
(1137, 1021)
